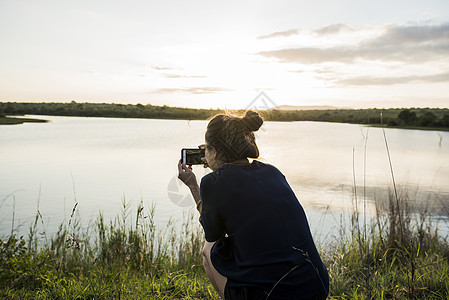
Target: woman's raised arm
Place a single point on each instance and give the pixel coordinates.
(187, 176)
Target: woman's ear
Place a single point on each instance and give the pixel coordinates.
(214, 152)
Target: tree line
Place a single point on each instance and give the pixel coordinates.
(105, 110)
(394, 117)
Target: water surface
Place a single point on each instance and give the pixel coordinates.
(100, 162)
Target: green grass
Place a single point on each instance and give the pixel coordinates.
(392, 257)
(398, 258)
(115, 260)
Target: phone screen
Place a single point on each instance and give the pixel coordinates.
(192, 156)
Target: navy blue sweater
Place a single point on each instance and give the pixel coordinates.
(268, 236)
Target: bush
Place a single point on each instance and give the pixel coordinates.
(428, 119)
(407, 117)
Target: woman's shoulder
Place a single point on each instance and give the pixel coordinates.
(266, 167)
(235, 171)
(230, 171)
(216, 176)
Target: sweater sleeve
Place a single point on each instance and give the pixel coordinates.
(213, 224)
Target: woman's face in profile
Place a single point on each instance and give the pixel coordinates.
(211, 155)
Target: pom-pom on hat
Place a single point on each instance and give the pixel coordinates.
(252, 121)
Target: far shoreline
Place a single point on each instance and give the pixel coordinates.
(10, 120)
(434, 119)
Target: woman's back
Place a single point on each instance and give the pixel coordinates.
(268, 235)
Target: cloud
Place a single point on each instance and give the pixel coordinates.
(159, 68)
(327, 30)
(182, 76)
(415, 34)
(280, 34)
(192, 90)
(402, 43)
(311, 55)
(371, 80)
(173, 72)
(331, 29)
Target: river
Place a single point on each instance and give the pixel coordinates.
(101, 162)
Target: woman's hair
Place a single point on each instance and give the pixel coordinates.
(233, 136)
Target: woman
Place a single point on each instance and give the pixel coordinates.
(259, 244)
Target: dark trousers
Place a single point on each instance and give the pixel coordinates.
(247, 293)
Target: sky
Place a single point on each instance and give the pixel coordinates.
(224, 54)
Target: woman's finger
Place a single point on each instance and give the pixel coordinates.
(205, 165)
(182, 168)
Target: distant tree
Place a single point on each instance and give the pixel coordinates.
(325, 116)
(428, 119)
(392, 122)
(2, 114)
(445, 121)
(407, 117)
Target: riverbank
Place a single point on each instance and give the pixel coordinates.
(15, 120)
(393, 257)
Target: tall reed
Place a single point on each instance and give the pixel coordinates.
(125, 257)
(400, 254)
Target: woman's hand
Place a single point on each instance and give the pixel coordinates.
(203, 159)
(186, 175)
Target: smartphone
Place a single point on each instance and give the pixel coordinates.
(192, 156)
